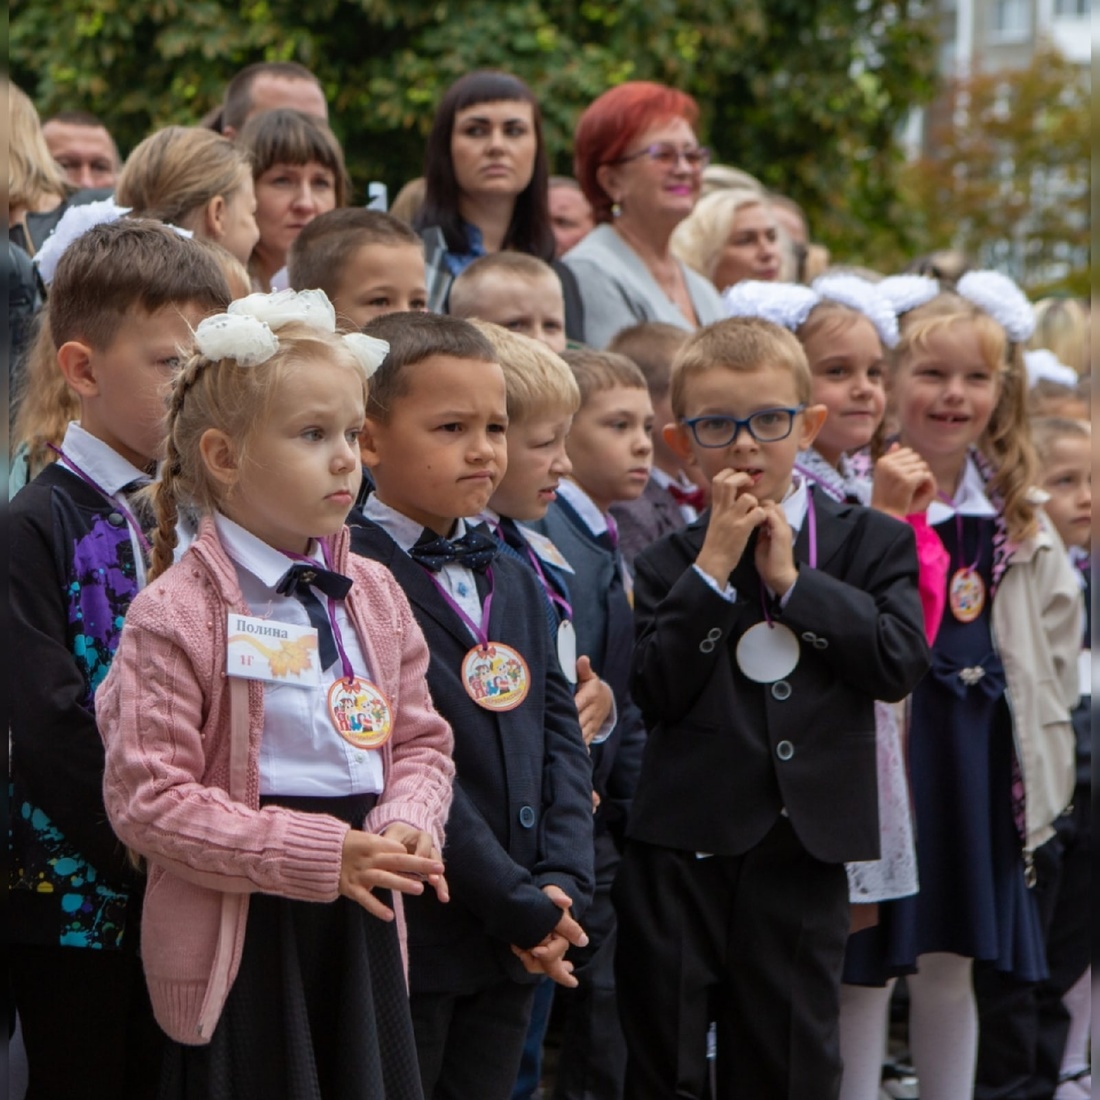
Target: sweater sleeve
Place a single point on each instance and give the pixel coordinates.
(419, 785)
(155, 715)
(56, 751)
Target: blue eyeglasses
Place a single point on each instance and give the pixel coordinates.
(765, 426)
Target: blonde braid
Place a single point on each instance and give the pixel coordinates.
(165, 492)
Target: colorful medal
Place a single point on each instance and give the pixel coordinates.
(360, 712)
(767, 652)
(966, 594)
(495, 676)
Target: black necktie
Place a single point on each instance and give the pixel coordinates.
(299, 581)
(475, 550)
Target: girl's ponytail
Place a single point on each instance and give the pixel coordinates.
(1007, 444)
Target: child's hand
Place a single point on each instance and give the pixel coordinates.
(900, 475)
(566, 927)
(369, 861)
(419, 843)
(734, 513)
(553, 963)
(593, 699)
(775, 549)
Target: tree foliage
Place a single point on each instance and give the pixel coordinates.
(806, 94)
(1008, 178)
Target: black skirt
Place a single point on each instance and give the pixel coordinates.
(319, 1009)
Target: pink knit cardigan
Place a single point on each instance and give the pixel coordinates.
(183, 792)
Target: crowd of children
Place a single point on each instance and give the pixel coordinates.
(394, 687)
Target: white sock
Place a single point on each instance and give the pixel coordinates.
(864, 1015)
(943, 1026)
(1078, 1002)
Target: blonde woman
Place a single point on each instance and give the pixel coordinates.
(37, 188)
(197, 180)
(731, 235)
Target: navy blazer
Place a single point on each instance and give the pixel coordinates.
(726, 755)
(521, 817)
(605, 633)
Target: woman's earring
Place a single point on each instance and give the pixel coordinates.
(616, 209)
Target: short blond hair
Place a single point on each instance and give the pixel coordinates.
(740, 344)
(652, 345)
(463, 301)
(596, 371)
(700, 238)
(536, 380)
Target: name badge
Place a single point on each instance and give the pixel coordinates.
(265, 649)
(546, 549)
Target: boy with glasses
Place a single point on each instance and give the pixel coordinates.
(766, 630)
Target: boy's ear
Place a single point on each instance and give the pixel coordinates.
(77, 364)
(813, 418)
(678, 440)
(214, 217)
(219, 456)
(368, 443)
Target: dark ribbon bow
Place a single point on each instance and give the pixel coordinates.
(298, 582)
(986, 676)
(697, 498)
(305, 575)
(475, 550)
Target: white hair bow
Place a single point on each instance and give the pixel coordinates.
(1002, 299)
(862, 296)
(785, 304)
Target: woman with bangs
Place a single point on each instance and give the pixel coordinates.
(640, 166)
(298, 172)
(486, 185)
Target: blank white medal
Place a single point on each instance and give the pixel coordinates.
(767, 652)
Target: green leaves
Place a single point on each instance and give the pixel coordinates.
(805, 94)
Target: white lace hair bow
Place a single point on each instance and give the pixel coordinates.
(246, 331)
(74, 223)
(862, 296)
(1044, 364)
(1002, 299)
(785, 304)
(906, 292)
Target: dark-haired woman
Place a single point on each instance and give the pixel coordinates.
(487, 183)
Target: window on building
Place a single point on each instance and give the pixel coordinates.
(1012, 19)
(1072, 8)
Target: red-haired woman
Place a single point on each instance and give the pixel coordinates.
(640, 165)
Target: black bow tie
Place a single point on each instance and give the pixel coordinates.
(475, 550)
(296, 582)
(303, 575)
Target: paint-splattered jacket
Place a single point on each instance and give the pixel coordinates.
(72, 579)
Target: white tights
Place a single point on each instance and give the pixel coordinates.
(943, 1031)
(943, 1026)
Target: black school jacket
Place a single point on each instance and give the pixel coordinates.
(521, 817)
(726, 755)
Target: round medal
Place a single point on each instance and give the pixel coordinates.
(495, 676)
(767, 652)
(567, 650)
(360, 712)
(966, 595)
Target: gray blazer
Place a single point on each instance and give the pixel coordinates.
(618, 291)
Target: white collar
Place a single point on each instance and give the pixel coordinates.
(795, 502)
(584, 506)
(264, 562)
(970, 498)
(404, 531)
(663, 479)
(99, 460)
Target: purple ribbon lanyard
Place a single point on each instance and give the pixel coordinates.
(127, 514)
(811, 475)
(550, 590)
(481, 632)
(950, 501)
(337, 637)
(811, 533)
